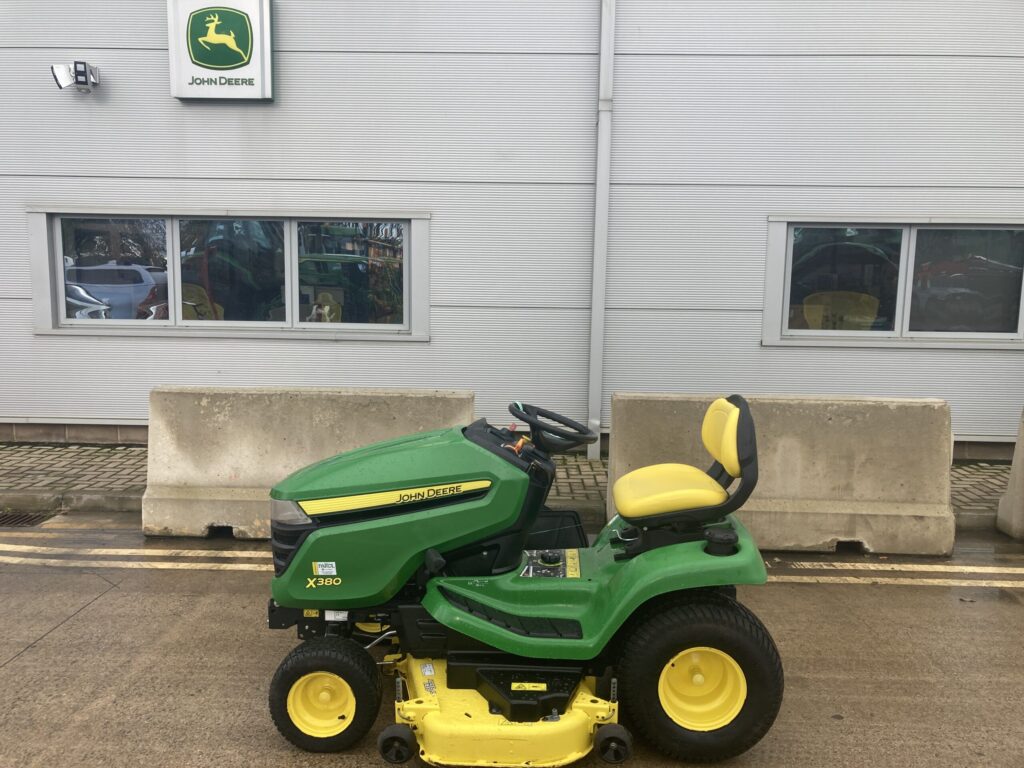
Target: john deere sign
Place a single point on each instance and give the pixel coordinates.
(219, 51)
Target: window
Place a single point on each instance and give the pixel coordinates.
(893, 283)
(967, 281)
(351, 271)
(114, 269)
(340, 276)
(844, 279)
(232, 270)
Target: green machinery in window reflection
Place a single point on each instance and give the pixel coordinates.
(232, 270)
(351, 272)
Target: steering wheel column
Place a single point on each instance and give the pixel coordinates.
(552, 432)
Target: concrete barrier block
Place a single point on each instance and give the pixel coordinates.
(214, 453)
(831, 469)
(1010, 518)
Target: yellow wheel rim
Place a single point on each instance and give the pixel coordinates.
(321, 704)
(702, 689)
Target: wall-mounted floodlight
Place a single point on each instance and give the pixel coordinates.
(80, 74)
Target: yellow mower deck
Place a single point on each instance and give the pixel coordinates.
(456, 727)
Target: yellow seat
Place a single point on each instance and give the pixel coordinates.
(666, 488)
(662, 488)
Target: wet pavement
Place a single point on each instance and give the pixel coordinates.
(120, 651)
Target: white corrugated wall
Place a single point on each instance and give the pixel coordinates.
(483, 114)
(727, 113)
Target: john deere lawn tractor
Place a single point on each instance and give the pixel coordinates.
(428, 572)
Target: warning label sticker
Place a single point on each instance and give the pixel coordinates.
(551, 564)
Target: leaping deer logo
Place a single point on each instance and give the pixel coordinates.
(217, 38)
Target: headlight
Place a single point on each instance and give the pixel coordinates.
(287, 512)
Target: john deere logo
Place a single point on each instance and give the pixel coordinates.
(219, 38)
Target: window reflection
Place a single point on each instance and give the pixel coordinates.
(232, 269)
(114, 269)
(351, 272)
(967, 280)
(844, 278)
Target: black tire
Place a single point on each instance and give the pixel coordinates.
(340, 657)
(709, 621)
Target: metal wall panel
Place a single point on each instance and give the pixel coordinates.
(480, 114)
(525, 26)
(65, 377)
(514, 245)
(408, 117)
(879, 27)
(833, 121)
(729, 112)
(719, 352)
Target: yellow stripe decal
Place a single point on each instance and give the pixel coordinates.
(390, 498)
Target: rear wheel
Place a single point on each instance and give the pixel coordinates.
(701, 680)
(325, 695)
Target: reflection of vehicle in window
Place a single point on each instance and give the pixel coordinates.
(82, 305)
(232, 270)
(966, 292)
(123, 287)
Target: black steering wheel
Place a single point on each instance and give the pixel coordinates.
(561, 435)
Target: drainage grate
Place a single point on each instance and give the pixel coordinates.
(23, 519)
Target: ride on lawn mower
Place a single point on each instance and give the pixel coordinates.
(510, 640)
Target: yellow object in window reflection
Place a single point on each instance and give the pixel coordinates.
(325, 310)
(840, 311)
(196, 304)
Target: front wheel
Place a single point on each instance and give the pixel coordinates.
(701, 680)
(325, 695)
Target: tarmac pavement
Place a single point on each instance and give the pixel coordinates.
(121, 651)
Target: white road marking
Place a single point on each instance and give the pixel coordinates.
(894, 581)
(152, 552)
(905, 567)
(136, 564)
(776, 575)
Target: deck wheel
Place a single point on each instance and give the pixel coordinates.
(397, 743)
(613, 743)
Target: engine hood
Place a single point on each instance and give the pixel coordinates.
(413, 462)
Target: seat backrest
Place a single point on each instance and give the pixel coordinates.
(721, 435)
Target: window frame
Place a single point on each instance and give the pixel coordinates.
(293, 267)
(47, 273)
(980, 335)
(180, 322)
(778, 261)
(57, 236)
(813, 333)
